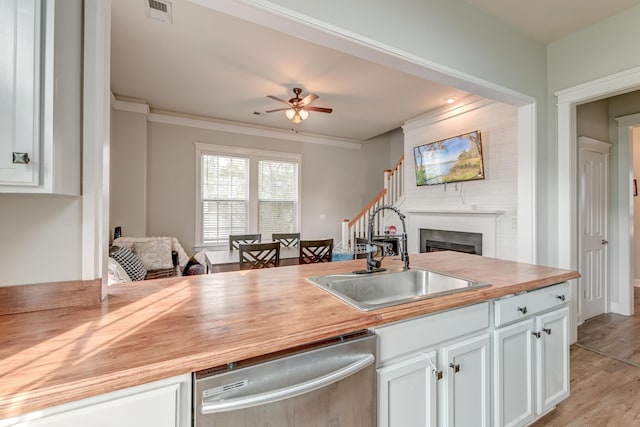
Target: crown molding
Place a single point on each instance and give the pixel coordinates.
(199, 122)
(468, 104)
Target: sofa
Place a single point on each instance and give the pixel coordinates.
(133, 259)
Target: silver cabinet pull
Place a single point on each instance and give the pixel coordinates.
(547, 330)
(522, 310)
(21, 158)
(536, 334)
(456, 367)
(605, 242)
(560, 297)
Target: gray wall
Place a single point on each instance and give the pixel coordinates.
(336, 182)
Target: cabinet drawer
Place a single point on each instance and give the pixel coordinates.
(524, 305)
(419, 334)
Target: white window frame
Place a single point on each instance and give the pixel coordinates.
(254, 156)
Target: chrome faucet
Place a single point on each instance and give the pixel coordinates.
(373, 265)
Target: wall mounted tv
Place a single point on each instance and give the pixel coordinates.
(454, 159)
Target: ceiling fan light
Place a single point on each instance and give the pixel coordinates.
(304, 114)
(297, 118)
(290, 113)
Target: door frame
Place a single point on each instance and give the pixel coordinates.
(567, 207)
(603, 148)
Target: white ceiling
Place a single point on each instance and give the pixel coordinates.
(209, 64)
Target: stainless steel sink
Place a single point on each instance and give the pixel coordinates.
(376, 290)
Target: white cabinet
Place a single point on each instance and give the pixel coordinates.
(531, 355)
(40, 89)
(467, 382)
(407, 392)
(165, 403)
(435, 370)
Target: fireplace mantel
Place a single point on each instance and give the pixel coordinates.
(456, 212)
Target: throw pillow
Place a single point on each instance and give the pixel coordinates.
(130, 262)
(155, 254)
(116, 273)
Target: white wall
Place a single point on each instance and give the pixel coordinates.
(603, 49)
(336, 182)
(498, 191)
(41, 239)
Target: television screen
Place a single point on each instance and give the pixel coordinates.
(453, 159)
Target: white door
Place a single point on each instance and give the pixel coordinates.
(513, 370)
(407, 393)
(594, 195)
(552, 359)
(466, 398)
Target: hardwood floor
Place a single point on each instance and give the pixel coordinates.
(605, 374)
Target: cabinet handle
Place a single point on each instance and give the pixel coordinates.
(547, 330)
(437, 374)
(21, 158)
(536, 334)
(522, 310)
(560, 297)
(456, 367)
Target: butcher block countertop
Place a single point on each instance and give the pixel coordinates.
(157, 329)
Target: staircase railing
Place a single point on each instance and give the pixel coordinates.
(392, 193)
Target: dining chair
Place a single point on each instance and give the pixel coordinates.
(288, 240)
(259, 255)
(312, 251)
(235, 240)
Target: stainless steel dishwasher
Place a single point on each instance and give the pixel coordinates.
(331, 383)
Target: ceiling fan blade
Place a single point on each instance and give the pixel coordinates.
(308, 99)
(275, 98)
(319, 109)
(279, 109)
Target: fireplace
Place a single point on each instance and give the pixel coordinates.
(445, 240)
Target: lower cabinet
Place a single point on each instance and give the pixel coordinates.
(456, 368)
(425, 381)
(531, 366)
(164, 403)
(467, 382)
(407, 392)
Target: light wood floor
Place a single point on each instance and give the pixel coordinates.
(605, 374)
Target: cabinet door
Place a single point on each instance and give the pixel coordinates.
(552, 359)
(407, 393)
(165, 403)
(513, 374)
(466, 398)
(19, 90)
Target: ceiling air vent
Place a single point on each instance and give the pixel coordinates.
(159, 10)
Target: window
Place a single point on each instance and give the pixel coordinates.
(277, 197)
(245, 191)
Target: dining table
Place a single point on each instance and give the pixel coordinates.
(229, 260)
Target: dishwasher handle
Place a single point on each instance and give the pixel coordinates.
(289, 391)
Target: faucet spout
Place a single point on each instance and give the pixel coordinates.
(373, 265)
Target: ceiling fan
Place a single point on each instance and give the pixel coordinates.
(298, 108)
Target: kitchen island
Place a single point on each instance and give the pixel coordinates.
(157, 329)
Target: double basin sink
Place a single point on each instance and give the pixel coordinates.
(392, 287)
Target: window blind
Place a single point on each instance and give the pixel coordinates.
(225, 197)
(277, 197)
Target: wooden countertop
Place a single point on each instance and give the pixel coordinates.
(156, 329)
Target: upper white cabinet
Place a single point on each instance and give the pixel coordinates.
(40, 96)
